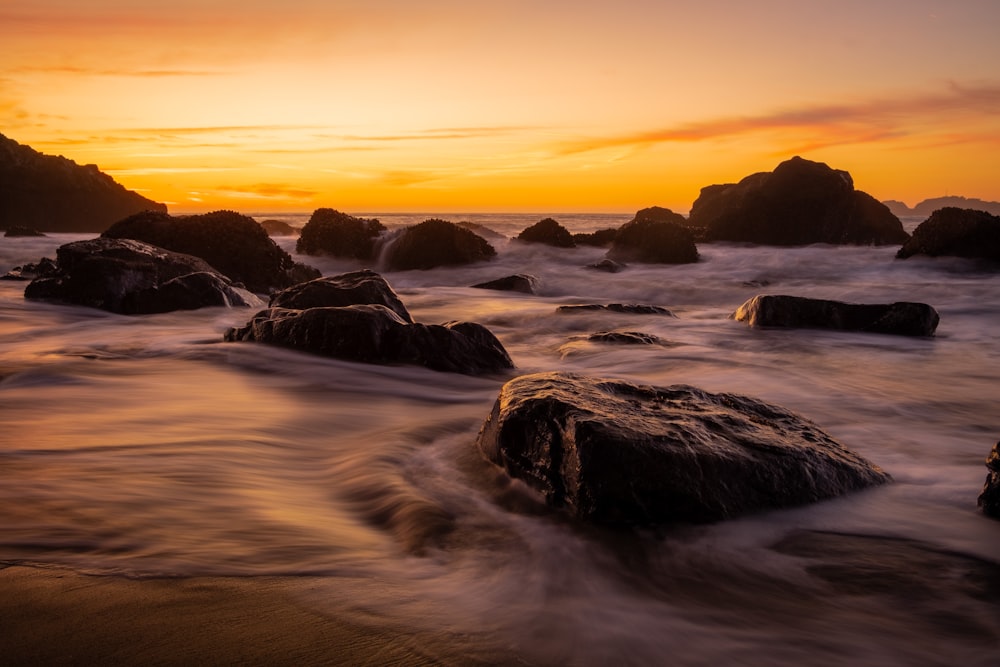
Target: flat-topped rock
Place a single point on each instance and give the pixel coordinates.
(903, 318)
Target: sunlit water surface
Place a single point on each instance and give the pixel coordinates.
(146, 446)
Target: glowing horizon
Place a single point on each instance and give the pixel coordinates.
(447, 106)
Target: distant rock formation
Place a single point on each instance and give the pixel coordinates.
(956, 232)
(278, 228)
(18, 231)
(547, 232)
(903, 318)
(801, 202)
(330, 232)
(928, 206)
(232, 243)
(54, 194)
(435, 243)
(654, 236)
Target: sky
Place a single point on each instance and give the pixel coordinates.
(535, 106)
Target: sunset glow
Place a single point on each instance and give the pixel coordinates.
(385, 105)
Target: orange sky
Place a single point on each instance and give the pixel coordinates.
(556, 106)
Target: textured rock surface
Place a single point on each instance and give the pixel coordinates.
(330, 232)
(989, 499)
(547, 232)
(655, 236)
(956, 232)
(348, 289)
(628, 308)
(610, 451)
(903, 318)
(434, 243)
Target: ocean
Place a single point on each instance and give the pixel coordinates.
(145, 446)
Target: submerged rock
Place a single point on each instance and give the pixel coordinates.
(611, 451)
(608, 266)
(435, 243)
(655, 236)
(625, 338)
(520, 282)
(799, 203)
(348, 289)
(903, 318)
(32, 270)
(547, 232)
(233, 244)
(956, 232)
(629, 308)
(132, 277)
(989, 499)
(330, 232)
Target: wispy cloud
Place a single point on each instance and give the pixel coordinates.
(266, 191)
(831, 124)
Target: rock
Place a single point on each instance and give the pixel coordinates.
(43, 267)
(625, 338)
(17, 231)
(132, 277)
(956, 232)
(278, 228)
(375, 334)
(902, 318)
(608, 265)
(53, 194)
(435, 243)
(547, 232)
(799, 203)
(989, 499)
(348, 289)
(233, 244)
(602, 238)
(654, 237)
(629, 308)
(928, 206)
(520, 282)
(613, 452)
(482, 230)
(331, 232)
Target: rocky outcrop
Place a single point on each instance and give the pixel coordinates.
(233, 244)
(520, 282)
(655, 236)
(628, 308)
(989, 499)
(18, 231)
(434, 243)
(956, 232)
(928, 206)
(547, 232)
(614, 452)
(133, 278)
(902, 318)
(374, 329)
(330, 232)
(278, 228)
(54, 194)
(482, 230)
(801, 202)
(602, 238)
(32, 270)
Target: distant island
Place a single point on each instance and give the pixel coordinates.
(928, 206)
(54, 194)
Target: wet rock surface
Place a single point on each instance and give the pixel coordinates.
(989, 499)
(521, 282)
(903, 318)
(347, 289)
(629, 308)
(956, 232)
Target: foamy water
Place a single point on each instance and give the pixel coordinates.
(145, 446)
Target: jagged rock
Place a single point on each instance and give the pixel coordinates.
(928, 206)
(625, 338)
(608, 266)
(348, 289)
(132, 277)
(602, 238)
(611, 451)
(19, 231)
(629, 308)
(655, 236)
(233, 244)
(434, 243)
(30, 271)
(902, 318)
(54, 194)
(799, 203)
(278, 228)
(520, 282)
(330, 232)
(989, 499)
(547, 232)
(956, 232)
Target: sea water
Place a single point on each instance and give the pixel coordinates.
(148, 447)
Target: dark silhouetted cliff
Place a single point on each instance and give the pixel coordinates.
(928, 206)
(54, 194)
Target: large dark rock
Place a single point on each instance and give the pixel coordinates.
(989, 499)
(799, 203)
(956, 232)
(53, 194)
(330, 232)
(348, 289)
(547, 232)
(375, 334)
(132, 277)
(610, 451)
(519, 282)
(234, 244)
(435, 243)
(902, 318)
(655, 236)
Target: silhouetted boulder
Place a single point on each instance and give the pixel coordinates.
(18, 231)
(434, 243)
(547, 232)
(608, 266)
(628, 308)
(610, 451)
(520, 282)
(278, 228)
(799, 203)
(482, 230)
(956, 232)
(233, 244)
(602, 238)
(989, 499)
(655, 236)
(902, 318)
(132, 277)
(348, 289)
(331, 232)
(53, 194)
